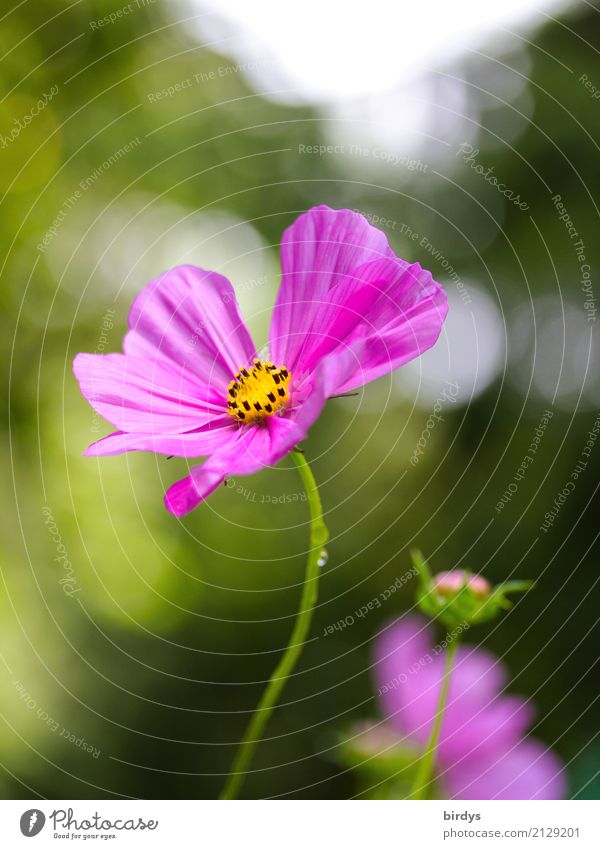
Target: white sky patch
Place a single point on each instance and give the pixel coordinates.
(335, 50)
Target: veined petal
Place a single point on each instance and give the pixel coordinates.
(191, 317)
(195, 443)
(342, 282)
(251, 448)
(320, 249)
(140, 396)
(182, 497)
(413, 331)
(396, 308)
(348, 306)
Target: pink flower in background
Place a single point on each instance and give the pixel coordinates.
(482, 753)
(190, 382)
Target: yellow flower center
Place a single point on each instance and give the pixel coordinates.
(258, 393)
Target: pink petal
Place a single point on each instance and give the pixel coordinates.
(481, 754)
(187, 493)
(251, 448)
(321, 248)
(477, 678)
(347, 307)
(400, 648)
(142, 396)
(195, 443)
(191, 317)
(469, 730)
(404, 321)
(526, 771)
(406, 658)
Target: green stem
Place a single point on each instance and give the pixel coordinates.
(426, 764)
(318, 537)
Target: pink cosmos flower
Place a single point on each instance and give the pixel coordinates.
(191, 383)
(482, 753)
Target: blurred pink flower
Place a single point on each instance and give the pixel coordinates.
(189, 382)
(483, 752)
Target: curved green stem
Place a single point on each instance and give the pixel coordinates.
(318, 537)
(426, 764)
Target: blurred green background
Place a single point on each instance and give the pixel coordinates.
(135, 676)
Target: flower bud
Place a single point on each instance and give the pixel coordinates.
(460, 597)
(449, 583)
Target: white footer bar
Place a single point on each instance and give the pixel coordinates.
(300, 824)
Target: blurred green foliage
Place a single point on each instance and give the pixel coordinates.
(164, 648)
